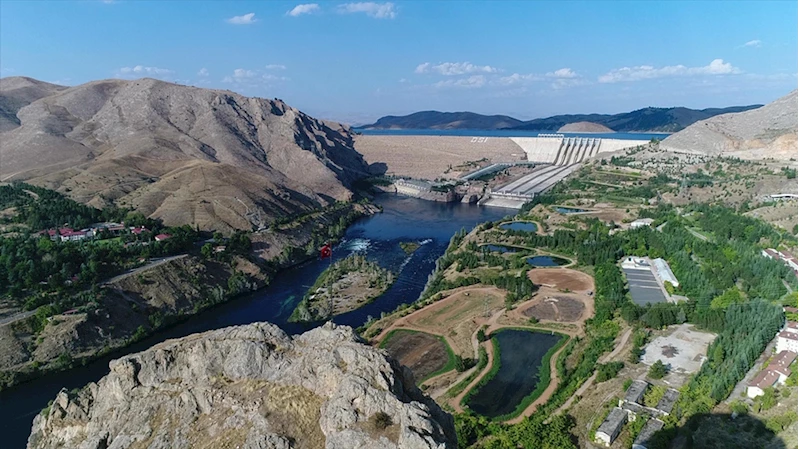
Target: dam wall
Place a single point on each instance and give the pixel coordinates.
(558, 149)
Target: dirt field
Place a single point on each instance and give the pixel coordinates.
(556, 308)
(423, 353)
(458, 316)
(431, 157)
(562, 279)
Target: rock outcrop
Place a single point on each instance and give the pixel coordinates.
(249, 387)
(766, 132)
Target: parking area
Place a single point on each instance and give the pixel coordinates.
(681, 347)
(644, 288)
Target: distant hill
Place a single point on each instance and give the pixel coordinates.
(766, 132)
(444, 120)
(643, 120)
(584, 127)
(664, 120)
(186, 155)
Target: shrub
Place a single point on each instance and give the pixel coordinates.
(381, 420)
(657, 370)
(608, 371)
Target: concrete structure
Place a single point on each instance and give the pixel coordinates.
(636, 263)
(643, 440)
(641, 222)
(635, 393)
(524, 189)
(611, 426)
(691, 349)
(493, 168)
(664, 273)
(561, 150)
(666, 403)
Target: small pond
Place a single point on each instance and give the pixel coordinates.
(547, 261)
(569, 210)
(528, 226)
(501, 248)
(520, 355)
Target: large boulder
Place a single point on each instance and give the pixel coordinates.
(252, 387)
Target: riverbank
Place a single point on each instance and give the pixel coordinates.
(378, 236)
(129, 308)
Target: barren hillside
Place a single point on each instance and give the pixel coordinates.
(18, 92)
(766, 132)
(183, 154)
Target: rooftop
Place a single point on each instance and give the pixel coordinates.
(636, 391)
(616, 418)
(666, 403)
(650, 428)
(788, 335)
(781, 362)
(764, 379)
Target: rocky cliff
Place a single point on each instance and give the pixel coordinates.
(766, 132)
(183, 154)
(249, 387)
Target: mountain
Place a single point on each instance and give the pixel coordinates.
(18, 92)
(444, 120)
(250, 387)
(643, 120)
(766, 132)
(584, 127)
(186, 155)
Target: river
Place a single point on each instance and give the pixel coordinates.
(378, 236)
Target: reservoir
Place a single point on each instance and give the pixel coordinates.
(520, 356)
(432, 224)
(505, 133)
(547, 261)
(528, 226)
(500, 248)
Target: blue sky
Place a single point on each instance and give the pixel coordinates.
(357, 61)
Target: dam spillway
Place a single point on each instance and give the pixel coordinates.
(558, 149)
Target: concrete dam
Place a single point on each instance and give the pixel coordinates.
(557, 156)
(558, 149)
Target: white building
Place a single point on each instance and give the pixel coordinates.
(776, 373)
(611, 426)
(641, 222)
(787, 339)
(664, 272)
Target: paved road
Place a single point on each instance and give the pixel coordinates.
(16, 317)
(151, 264)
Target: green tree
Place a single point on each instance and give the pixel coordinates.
(658, 370)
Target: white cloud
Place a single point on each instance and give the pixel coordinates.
(471, 82)
(753, 43)
(203, 72)
(307, 8)
(422, 68)
(251, 78)
(518, 78)
(371, 9)
(716, 67)
(275, 67)
(143, 70)
(246, 19)
(562, 73)
(454, 68)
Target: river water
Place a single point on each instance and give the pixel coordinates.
(378, 237)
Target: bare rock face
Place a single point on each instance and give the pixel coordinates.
(249, 387)
(766, 132)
